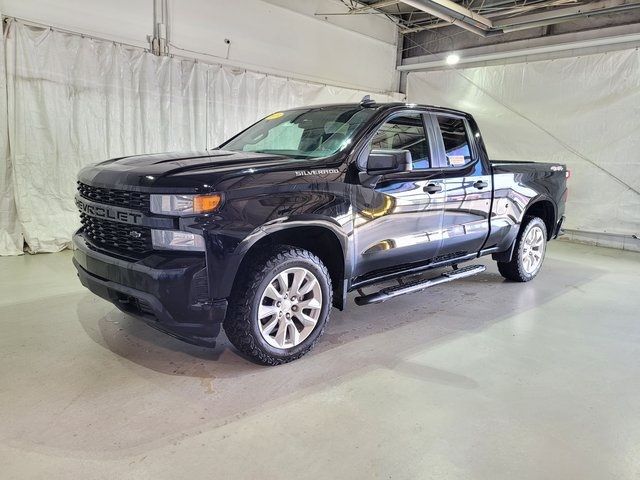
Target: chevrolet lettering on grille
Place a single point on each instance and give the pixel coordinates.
(110, 213)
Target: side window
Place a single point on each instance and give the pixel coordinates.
(456, 142)
(405, 132)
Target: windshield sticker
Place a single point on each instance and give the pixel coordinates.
(274, 116)
(300, 173)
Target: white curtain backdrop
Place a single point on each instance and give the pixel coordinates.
(582, 111)
(11, 240)
(74, 100)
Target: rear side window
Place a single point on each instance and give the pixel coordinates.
(405, 132)
(456, 142)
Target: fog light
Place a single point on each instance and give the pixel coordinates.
(177, 240)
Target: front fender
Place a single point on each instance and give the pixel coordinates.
(231, 267)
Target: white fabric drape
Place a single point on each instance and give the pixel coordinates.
(75, 100)
(581, 111)
(11, 239)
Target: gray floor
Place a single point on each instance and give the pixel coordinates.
(478, 379)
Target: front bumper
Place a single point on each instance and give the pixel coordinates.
(167, 290)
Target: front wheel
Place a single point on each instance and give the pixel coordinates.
(280, 306)
(528, 255)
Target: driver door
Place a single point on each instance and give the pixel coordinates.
(399, 220)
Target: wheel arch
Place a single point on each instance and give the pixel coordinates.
(541, 207)
(545, 209)
(323, 240)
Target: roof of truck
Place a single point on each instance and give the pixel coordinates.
(383, 106)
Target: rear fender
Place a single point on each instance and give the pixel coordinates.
(507, 255)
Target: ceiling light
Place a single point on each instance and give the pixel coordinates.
(452, 59)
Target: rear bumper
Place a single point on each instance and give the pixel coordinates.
(168, 291)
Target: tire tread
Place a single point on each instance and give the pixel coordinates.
(237, 324)
(514, 269)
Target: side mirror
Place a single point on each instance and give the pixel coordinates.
(381, 162)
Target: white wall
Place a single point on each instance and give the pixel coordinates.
(283, 37)
(376, 26)
(269, 36)
(127, 21)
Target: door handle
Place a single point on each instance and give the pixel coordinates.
(433, 188)
(480, 184)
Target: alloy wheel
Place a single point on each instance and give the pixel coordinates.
(290, 307)
(533, 250)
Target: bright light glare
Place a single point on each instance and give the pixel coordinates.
(452, 59)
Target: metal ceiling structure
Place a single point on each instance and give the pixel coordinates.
(485, 17)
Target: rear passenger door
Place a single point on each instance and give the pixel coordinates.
(467, 187)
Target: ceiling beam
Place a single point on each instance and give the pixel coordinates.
(523, 22)
(455, 7)
(374, 6)
(497, 13)
(439, 61)
(528, 8)
(458, 16)
(589, 8)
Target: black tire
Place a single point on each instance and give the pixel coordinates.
(515, 269)
(241, 322)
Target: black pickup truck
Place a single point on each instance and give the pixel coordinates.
(267, 232)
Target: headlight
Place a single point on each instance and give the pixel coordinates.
(177, 240)
(185, 204)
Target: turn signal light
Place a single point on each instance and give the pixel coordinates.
(206, 203)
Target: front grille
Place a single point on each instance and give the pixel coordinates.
(118, 198)
(116, 236)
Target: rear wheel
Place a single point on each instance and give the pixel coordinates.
(529, 252)
(280, 306)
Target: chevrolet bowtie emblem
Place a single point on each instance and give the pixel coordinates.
(135, 234)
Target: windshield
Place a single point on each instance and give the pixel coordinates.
(308, 133)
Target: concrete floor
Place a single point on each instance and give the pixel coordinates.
(478, 379)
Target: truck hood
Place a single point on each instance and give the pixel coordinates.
(180, 171)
